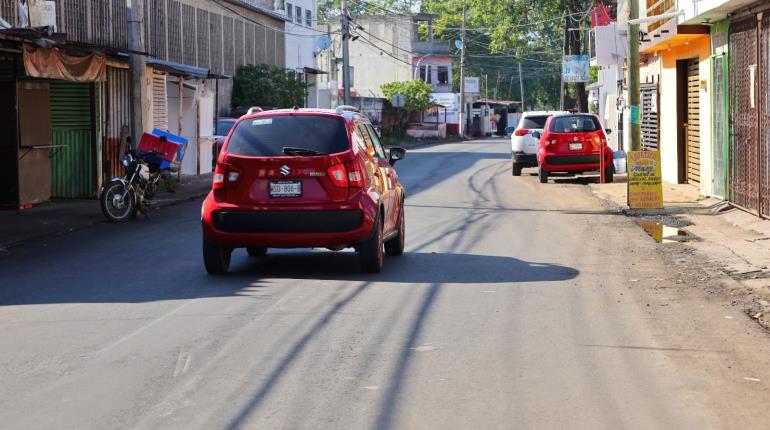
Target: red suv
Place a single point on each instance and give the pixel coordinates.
(302, 178)
(571, 143)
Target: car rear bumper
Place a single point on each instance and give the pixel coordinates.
(525, 159)
(573, 163)
(329, 225)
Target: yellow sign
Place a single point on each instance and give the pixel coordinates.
(645, 183)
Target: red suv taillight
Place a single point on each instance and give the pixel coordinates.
(521, 132)
(225, 176)
(339, 175)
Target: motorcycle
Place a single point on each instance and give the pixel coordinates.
(125, 197)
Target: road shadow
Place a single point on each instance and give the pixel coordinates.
(248, 274)
(410, 268)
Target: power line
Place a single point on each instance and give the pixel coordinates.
(248, 18)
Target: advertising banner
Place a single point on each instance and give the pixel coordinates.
(645, 183)
(576, 68)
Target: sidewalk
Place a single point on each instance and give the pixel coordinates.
(64, 216)
(727, 238)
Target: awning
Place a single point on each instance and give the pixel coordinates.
(313, 71)
(178, 69)
(53, 64)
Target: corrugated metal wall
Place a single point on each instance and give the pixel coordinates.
(117, 114)
(72, 164)
(763, 95)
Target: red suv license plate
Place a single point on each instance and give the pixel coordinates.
(576, 146)
(280, 189)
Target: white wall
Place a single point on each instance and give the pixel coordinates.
(301, 38)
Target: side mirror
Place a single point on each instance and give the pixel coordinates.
(608, 131)
(536, 135)
(396, 153)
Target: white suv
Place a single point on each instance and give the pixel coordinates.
(523, 145)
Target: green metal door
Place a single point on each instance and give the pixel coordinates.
(72, 163)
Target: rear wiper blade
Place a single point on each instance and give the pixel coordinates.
(289, 150)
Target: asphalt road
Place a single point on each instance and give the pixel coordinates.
(516, 305)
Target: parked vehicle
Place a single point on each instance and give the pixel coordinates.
(221, 130)
(524, 145)
(124, 197)
(572, 143)
(300, 178)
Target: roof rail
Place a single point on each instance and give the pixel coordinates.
(253, 110)
(346, 108)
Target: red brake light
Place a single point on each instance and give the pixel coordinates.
(521, 132)
(225, 176)
(339, 175)
(355, 177)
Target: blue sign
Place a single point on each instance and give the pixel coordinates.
(576, 68)
(459, 44)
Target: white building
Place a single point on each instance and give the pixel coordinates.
(301, 39)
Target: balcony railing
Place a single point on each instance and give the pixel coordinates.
(657, 7)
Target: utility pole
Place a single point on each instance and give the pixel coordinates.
(521, 86)
(462, 76)
(137, 67)
(633, 76)
(497, 85)
(345, 53)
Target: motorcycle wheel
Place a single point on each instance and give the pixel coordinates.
(115, 206)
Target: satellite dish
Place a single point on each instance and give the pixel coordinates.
(324, 42)
(459, 44)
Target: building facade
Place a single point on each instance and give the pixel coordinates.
(70, 127)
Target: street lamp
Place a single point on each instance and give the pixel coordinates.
(417, 67)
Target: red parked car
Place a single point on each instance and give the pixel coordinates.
(301, 178)
(571, 143)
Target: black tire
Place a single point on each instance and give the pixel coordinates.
(609, 173)
(371, 251)
(542, 175)
(216, 258)
(395, 246)
(517, 169)
(112, 208)
(256, 251)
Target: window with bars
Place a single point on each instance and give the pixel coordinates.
(174, 29)
(188, 31)
(290, 11)
(229, 51)
(309, 18)
(215, 43)
(204, 53)
(298, 15)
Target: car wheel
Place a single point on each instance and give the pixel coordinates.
(216, 258)
(256, 251)
(517, 169)
(395, 246)
(543, 175)
(371, 251)
(609, 172)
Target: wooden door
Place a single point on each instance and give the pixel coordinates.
(693, 122)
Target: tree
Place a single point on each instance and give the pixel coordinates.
(416, 96)
(267, 86)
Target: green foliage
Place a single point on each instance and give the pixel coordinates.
(416, 94)
(594, 76)
(268, 86)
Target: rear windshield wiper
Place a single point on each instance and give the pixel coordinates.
(289, 150)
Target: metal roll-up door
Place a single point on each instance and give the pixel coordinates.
(743, 150)
(72, 161)
(693, 121)
(117, 103)
(650, 128)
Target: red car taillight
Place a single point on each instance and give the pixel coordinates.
(521, 132)
(339, 175)
(355, 177)
(225, 176)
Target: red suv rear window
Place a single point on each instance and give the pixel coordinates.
(267, 136)
(574, 124)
